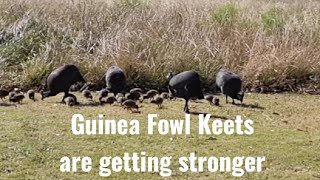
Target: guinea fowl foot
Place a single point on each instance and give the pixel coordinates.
(233, 102)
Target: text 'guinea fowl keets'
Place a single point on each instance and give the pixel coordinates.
(230, 85)
(186, 85)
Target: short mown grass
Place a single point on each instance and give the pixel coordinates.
(35, 135)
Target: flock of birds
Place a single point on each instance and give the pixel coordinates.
(186, 85)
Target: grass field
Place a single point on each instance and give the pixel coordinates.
(35, 135)
(268, 43)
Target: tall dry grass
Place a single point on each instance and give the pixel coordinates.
(261, 40)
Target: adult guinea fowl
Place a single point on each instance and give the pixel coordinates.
(230, 85)
(115, 80)
(60, 80)
(185, 85)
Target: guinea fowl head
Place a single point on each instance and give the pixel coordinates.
(169, 75)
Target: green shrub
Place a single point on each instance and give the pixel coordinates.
(22, 41)
(34, 71)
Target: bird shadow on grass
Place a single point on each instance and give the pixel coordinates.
(89, 104)
(4, 104)
(252, 106)
(196, 101)
(213, 116)
(219, 117)
(86, 104)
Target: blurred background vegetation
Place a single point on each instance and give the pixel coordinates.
(266, 42)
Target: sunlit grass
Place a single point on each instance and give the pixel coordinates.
(35, 135)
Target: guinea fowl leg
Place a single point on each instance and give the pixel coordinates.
(186, 109)
(66, 93)
(85, 86)
(226, 99)
(233, 101)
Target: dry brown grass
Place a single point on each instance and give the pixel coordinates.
(261, 40)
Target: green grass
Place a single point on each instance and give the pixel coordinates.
(273, 20)
(225, 14)
(35, 135)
